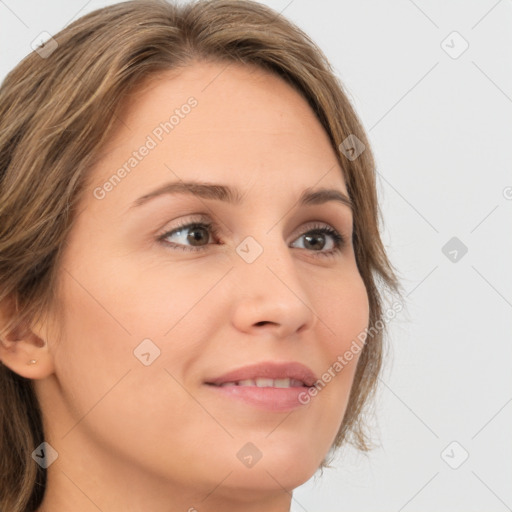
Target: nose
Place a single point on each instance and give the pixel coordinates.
(271, 294)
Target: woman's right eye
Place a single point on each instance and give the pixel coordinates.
(197, 232)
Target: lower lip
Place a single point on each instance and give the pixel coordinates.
(273, 399)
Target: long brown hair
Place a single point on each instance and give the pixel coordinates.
(61, 104)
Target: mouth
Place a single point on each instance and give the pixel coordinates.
(262, 382)
(268, 385)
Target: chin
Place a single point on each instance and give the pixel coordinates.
(281, 466)
(251, 484)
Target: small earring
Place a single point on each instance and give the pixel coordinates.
(32, 361)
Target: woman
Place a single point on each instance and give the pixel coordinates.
(145, 367)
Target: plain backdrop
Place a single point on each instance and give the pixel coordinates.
(432, 83)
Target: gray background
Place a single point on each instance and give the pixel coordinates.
(441, 130)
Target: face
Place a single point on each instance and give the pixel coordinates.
(164, 296)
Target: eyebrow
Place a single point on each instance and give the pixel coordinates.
(234, 196)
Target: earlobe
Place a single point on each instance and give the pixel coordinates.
(25, 353)
(22, 350)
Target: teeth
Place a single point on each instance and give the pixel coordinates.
(262, 382)
(282, 383)
(265, 383)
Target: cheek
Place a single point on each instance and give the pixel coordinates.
(107, 393)
(343, 311)
(152, 292)
(109, 312)
(343, 308)
(94, 349)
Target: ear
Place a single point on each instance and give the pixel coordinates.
(21, 346)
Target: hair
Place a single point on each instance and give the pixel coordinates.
(57, 112)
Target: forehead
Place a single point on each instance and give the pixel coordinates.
(248, 127)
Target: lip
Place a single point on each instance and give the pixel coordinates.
(268, 398)
(269, 370)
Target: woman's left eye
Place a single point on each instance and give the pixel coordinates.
(198, 234)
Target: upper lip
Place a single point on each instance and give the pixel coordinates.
(268, 370)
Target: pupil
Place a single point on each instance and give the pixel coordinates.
(310, 237)
(193, 238)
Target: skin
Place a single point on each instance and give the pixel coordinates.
(132, 437)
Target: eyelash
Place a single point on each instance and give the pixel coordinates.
(339, 239)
